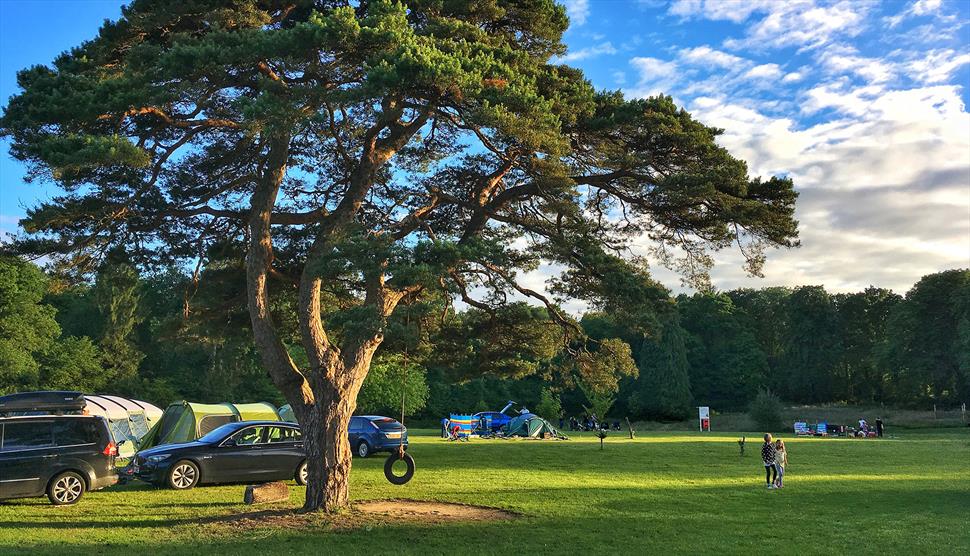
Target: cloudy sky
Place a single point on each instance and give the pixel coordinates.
(863, 104)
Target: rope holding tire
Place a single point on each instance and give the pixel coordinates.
(389, 467)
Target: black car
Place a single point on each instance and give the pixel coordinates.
(244, 451)
(60, 456)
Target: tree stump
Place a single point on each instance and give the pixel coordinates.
(269, 492)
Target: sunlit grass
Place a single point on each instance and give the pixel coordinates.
(661, 493)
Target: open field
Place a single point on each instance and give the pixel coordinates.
(662, 493)
(895, 419)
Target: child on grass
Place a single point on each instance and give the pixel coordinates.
(768, 457)
(781, 460)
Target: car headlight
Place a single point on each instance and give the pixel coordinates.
(158, 458)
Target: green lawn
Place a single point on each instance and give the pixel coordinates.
(662, 493)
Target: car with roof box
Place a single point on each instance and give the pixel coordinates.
(62, 456)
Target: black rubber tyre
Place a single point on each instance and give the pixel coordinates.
(389, 468)
(363, 449)
(65, 489)
(301, 474)
(183, 475)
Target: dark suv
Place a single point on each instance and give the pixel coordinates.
(58, 455)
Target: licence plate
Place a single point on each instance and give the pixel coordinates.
(393, 434)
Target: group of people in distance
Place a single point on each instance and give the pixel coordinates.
(775, 457)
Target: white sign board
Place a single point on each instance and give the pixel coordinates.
(704, 418)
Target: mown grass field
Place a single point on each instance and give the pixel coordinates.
(659, 494)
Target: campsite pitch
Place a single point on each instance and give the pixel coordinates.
(662, 493)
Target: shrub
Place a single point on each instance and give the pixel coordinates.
(549, 405)
(766, 410)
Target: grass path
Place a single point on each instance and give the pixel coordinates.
(662, 493)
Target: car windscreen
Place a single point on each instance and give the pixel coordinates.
(217, 434)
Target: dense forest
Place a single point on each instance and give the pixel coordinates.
(177, 335)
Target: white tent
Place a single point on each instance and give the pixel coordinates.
(129, 419)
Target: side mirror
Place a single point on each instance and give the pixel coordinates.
(229, 442)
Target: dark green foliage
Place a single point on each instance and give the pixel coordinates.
(662, 391)
(727, 365)
(863, 317)
(765, 411)
(927, 348)
(813, 346)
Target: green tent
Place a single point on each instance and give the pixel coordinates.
(531, 425)
(286, 414)
(187, 421)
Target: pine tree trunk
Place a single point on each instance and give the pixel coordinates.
(329, 456)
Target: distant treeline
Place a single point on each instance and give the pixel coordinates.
(170, 336)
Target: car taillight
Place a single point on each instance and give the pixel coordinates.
(110, 450)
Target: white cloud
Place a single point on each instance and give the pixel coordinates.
(589, 52)
(764, 71)
(919, 8)
(656, 76)
(706, 56)
(885, 185)
(793, 77)
(937, 66)
(577, 10)
(723, 10)
(843, 59)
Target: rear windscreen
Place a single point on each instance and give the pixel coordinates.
(71, 432)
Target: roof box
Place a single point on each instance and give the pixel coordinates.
(55, 401)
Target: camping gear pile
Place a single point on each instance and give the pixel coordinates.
(498, 424)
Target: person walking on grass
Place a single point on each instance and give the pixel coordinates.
(781, 460)
(768, 457)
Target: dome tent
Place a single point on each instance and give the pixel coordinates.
(531, 425)
(187, 421)
(129, 420)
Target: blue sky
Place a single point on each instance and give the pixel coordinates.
(863, 103)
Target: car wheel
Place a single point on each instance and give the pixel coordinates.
(66, 488)
(301, 474)
(183, 475)
(363, 449)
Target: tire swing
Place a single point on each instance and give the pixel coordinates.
(401, 454)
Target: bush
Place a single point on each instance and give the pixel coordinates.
(549, 405)
(766, 410)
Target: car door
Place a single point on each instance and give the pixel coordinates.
(283, 451)
(240, 457)
(27, 458)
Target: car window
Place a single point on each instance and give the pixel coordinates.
(283, 434)
(23, 436)
(71, 432)
(355, 423)
(250, 436)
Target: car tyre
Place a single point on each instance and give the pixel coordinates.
(65, 489)
(183, 475)
(389, 468)
(301, 474)
(363, 449)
